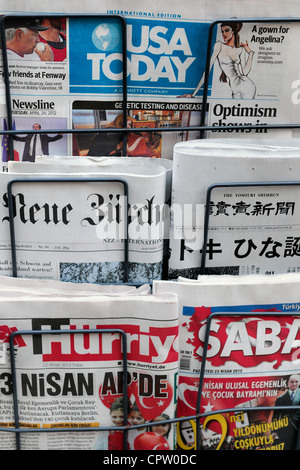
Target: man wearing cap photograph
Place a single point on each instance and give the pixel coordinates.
(22, 40)
(54, 36)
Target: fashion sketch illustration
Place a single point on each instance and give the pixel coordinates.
(235, 60)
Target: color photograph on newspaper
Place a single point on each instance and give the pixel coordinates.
(251, 364)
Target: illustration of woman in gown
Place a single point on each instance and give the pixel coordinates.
(229, 55)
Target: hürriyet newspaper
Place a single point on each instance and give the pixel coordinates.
(69, 355)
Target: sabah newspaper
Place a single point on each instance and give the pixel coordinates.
(238, 345)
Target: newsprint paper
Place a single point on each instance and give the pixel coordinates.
(106, 226)
(235, 209)
(74, 73)
(75, 380)
(250, 367)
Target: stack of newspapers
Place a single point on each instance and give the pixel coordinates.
(85, 220)
(235, 208)
(87, 357)
(120, 364)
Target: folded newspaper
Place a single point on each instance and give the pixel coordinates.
(12, 285)
(234, 209)
(67, 164)
(69, 356)
(95, 225)
(76, 79)
(239, 339)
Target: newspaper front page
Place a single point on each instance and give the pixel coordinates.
(251, 366)
(73, 75)
(234, 209)
(106, 226)
(74, 381)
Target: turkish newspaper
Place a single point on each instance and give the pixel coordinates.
(75, 71)
(69, 357)
(239, 335)
(234, 209)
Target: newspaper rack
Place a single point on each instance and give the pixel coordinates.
(202, 373)
(17, 429)
(60, 181)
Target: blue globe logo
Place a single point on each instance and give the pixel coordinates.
(106, 37)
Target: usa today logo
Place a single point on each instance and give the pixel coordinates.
(106, 37)
(164, 57)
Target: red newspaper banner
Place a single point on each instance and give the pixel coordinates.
(239, 350)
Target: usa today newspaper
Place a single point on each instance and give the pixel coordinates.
(84, 66)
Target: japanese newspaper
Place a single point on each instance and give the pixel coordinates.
(105, 226)
(78, 70)
(240, 337)
(234, 209)
(76, 380)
